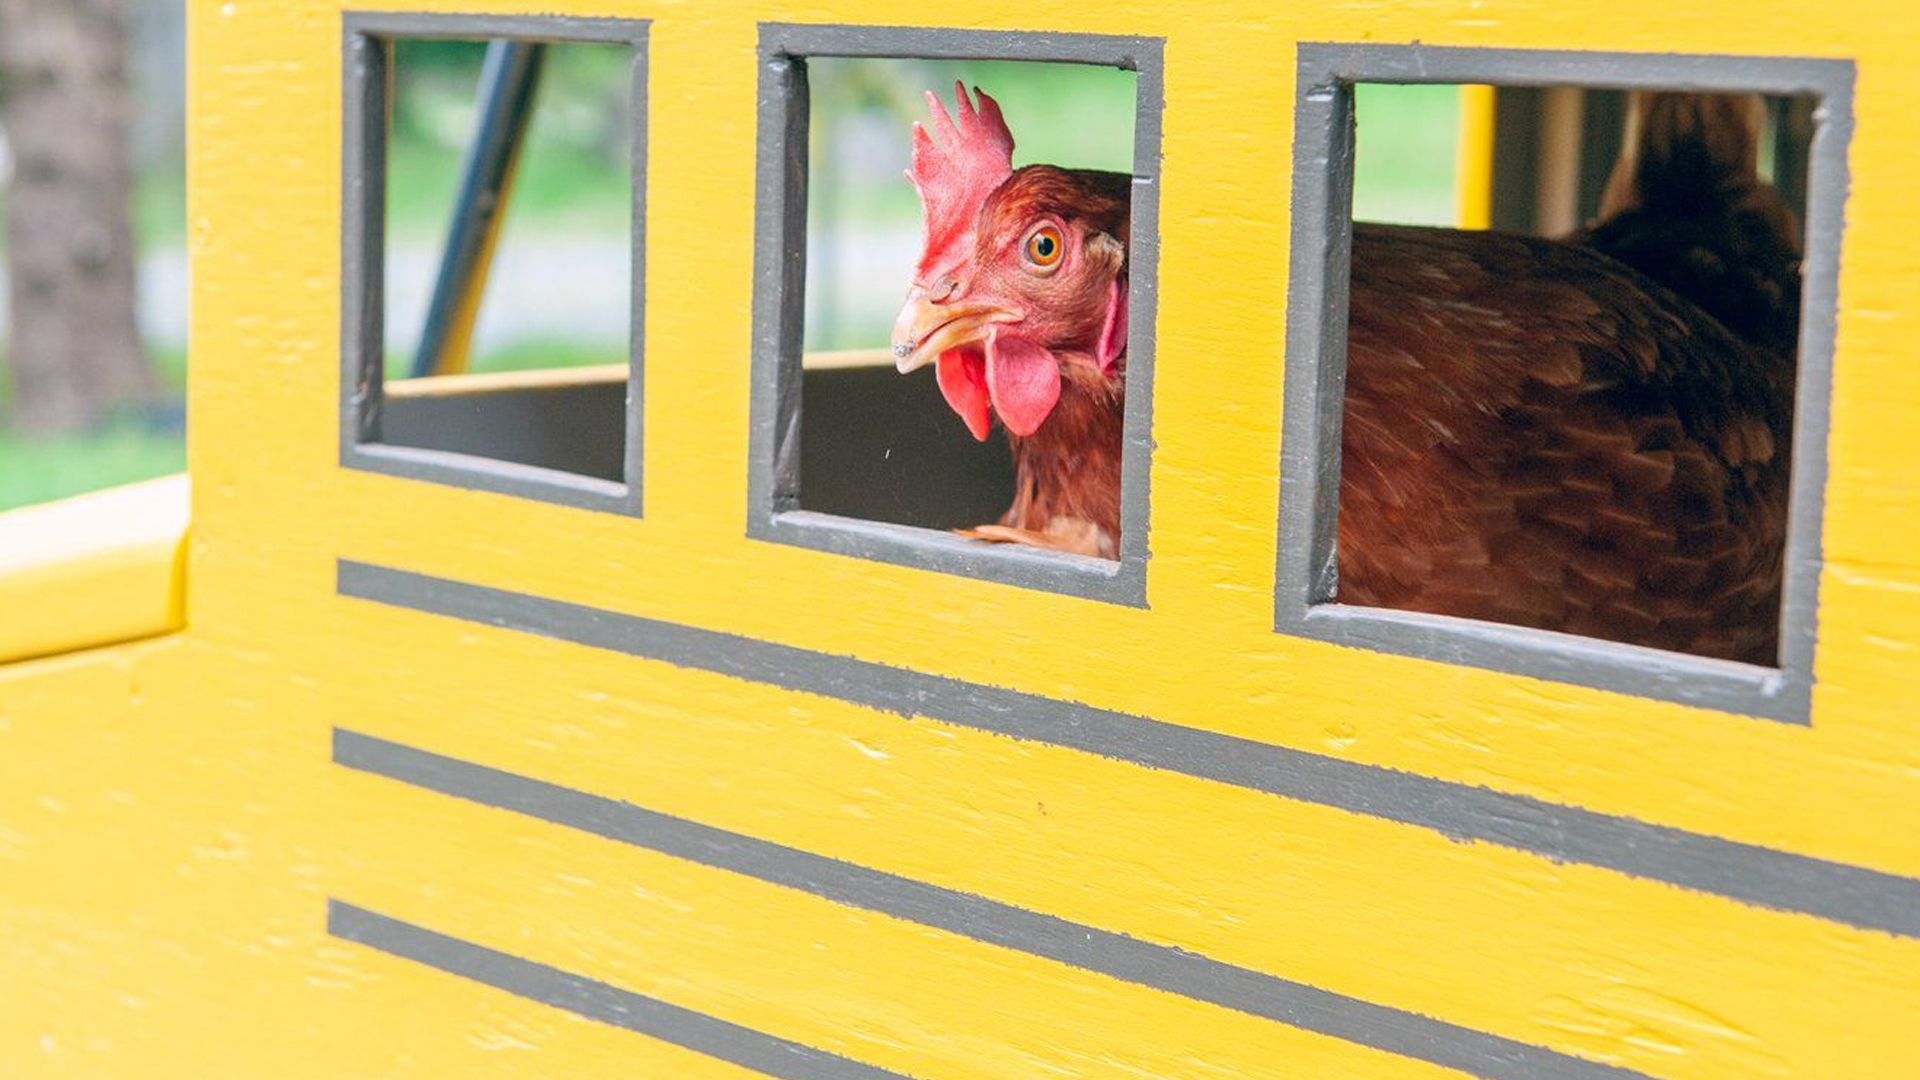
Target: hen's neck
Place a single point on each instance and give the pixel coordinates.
(1067, 474)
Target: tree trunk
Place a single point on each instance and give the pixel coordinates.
(75, 349)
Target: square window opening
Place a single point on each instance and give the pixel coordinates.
(906, 433)
(1559, 364)
(495, 171)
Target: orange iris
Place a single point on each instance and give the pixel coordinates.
(1044, 247)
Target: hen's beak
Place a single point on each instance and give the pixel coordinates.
(925, 329)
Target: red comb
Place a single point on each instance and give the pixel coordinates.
(955, 175)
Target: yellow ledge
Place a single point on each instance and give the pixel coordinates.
(848, 358)
(496, 381)
(93, 570)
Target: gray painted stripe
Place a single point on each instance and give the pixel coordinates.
(1130, 959)
(1853, 895)
(596, 1000)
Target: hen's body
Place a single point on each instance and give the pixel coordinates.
(1539, 434)
(1536, 434)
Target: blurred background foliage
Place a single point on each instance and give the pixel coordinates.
(573, 172)
(1405, 153)
(557, 293)
(136, 441)
(557, 296)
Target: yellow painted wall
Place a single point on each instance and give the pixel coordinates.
(171, 827)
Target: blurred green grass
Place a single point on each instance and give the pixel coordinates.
(134, 445)
(1405, 150)
(42, 469)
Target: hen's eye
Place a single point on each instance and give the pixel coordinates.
(1044, 247)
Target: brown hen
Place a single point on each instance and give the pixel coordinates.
(1536, 433)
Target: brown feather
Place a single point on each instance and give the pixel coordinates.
(1068, 472)
(1537, 435)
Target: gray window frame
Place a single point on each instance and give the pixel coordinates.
(773, 485)
(1316, 370)
(366, 52)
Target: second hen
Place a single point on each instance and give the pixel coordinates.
(1535, 433)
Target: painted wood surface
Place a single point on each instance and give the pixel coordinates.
(701, 806)
(97, 569)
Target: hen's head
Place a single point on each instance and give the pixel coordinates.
(1020, 272)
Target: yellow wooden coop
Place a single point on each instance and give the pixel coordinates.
(472, 727)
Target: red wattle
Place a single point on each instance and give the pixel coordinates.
(962, 375)
(1023, 381)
